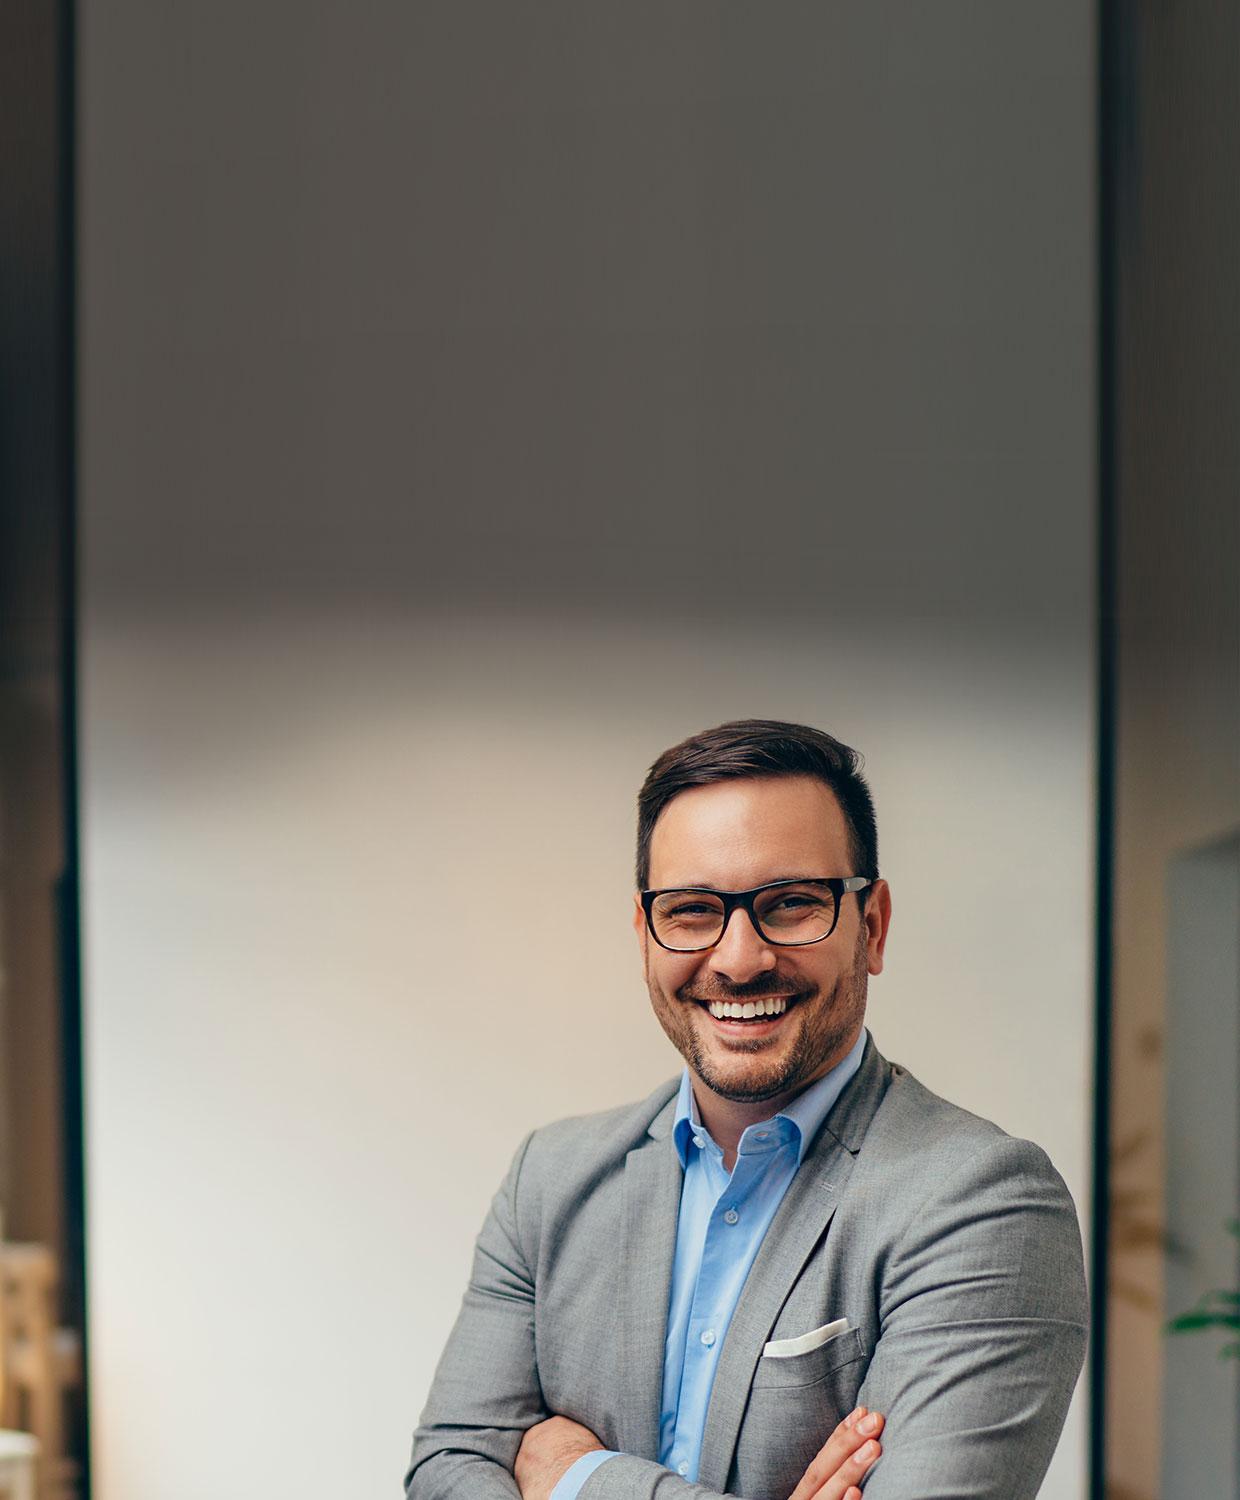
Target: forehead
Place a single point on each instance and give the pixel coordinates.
(741, 833)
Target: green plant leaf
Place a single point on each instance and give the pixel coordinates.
(1189, 1321)
(1215, 1309)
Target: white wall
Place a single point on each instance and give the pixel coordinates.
(467, 415)
(306, 1074)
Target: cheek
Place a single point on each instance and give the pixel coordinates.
(667, 971)
(822, 976)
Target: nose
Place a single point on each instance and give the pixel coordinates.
(742, 952)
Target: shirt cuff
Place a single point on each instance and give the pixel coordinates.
(572, 1479)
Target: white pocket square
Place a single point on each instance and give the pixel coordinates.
(786, 1348)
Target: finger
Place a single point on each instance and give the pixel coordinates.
(856, 1429)
(823, 1463)
(845, 1482)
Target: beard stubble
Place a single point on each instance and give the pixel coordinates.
(826, 1024)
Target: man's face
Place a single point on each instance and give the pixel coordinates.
(735, 835)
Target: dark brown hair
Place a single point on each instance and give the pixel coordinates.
(762, 747)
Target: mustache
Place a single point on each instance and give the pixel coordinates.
(762, 987)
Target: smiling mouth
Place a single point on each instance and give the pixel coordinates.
(764, 1009)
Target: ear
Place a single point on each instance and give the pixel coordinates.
(639, 927)
(877, 920)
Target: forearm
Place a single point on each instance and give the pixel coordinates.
(453, 1475)
(627, 1478)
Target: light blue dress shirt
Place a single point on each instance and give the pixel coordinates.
(723, 1220)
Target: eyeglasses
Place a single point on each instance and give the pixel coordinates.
(787, 913)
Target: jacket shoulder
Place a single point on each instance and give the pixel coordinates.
(562, 1164)
(932, 1140)
(606, 1133)
(912, 1111)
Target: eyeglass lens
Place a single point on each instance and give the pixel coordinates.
(687, 920)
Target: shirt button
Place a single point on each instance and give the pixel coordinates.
(731, 1216)
(708, 1338)
(698, 1141)
(682, 1469)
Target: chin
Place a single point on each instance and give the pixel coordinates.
(747, 1086)
(738, 1094)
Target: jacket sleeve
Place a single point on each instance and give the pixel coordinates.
(983, 1315)
(627, 1478)
(486, 1391)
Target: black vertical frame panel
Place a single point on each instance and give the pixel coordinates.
(1109, 107)
(69, 894)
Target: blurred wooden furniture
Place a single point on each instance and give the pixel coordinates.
(40, 1363)
(18, 1451)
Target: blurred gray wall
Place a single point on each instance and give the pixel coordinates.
(1200, 1397)
(475, 399)
(1177, 739)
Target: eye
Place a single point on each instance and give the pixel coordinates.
(690, 909)
(805, 910)
(686, 912)
(795, 902)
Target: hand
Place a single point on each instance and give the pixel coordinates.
(548, 1450)
(838, 1466)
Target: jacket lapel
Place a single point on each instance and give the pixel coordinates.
(799, 1224)
(652, 1182)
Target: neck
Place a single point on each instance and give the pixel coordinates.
(728, 1119)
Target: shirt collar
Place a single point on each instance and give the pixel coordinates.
(804, 1115)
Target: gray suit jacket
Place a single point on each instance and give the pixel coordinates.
(951, 1248)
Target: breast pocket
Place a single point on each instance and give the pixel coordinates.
(807, 1369)
(794, 1405)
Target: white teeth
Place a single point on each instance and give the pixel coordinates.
(731, 1010)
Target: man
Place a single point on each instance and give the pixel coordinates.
(693, 1295)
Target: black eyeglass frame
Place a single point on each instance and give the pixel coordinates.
(839, 886)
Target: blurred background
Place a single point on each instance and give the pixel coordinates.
(414, 419)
